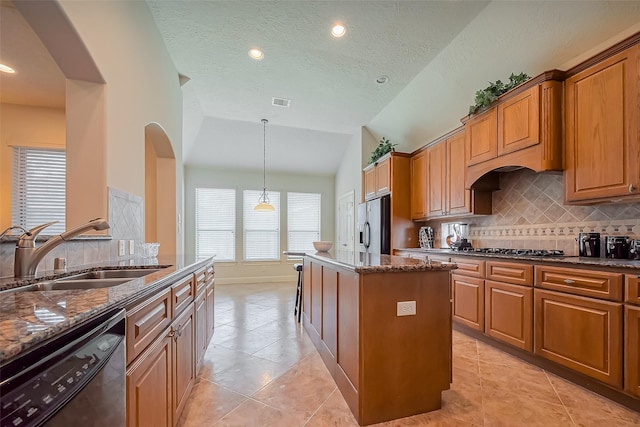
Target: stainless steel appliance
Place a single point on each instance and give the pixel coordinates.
(426, 237)
(589, 245)
(634, 249)
(77, 379)
(617, 247)
(374, 226)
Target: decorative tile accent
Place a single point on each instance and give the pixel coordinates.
(528, 211)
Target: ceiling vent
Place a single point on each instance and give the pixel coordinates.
(281, 102)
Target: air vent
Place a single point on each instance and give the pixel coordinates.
(281, 102)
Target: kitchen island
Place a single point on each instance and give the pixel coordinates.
(382, 325)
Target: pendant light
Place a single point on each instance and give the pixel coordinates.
(263, 202)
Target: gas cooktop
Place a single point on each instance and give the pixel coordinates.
(516, 252)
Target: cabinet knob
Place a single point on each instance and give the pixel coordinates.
(569, 281)
(632, 188)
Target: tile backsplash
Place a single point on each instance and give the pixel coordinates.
(126, 218)
(528, 211)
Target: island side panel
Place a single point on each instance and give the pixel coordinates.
(347, 374)
(405, 360)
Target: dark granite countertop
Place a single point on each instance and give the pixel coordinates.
(571, 260)
(28, 318)
(362, 262)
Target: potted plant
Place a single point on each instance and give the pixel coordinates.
(385, 146)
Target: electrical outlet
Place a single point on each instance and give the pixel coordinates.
(131, 247)
(406, 308)
(121, 248)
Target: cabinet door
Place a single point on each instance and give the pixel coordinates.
(419, 185)
(509, 313)
(210, 308)
(481, 137)
(370, 183)
(200, 329)
(633, 289)
(583, 334)
(436, 177)
(183, 360)
(383, 177)
(632, 353)
(602, 124)
(468, 301)
(519, 121)
(149, 386)
(458, 197)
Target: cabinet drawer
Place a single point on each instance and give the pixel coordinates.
(200, 277)
(583, 334)
(439, 258)
(633, 289)
(181, 295)
(470, 267)
(145, 322)
(510, 272)
(210, 273)
(598, 284)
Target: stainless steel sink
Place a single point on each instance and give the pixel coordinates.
(112, 274)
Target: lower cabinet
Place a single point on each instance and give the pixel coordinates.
(183, 366)
(149, 386)
(509, 313)
(632, 350)
(468, 301)
(209, 307)
(581, 333)
(200, 307)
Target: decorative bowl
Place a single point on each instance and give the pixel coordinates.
(322, 246)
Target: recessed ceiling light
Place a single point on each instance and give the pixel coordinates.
(382, 80)
(256, 54)
(338, 30)
(6, 69)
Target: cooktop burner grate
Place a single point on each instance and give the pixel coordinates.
(517, 252)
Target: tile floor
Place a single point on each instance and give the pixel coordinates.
(262, 370)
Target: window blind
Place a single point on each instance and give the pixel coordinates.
(303, 221)
(38, 188)
(261, 229)
(216, 223)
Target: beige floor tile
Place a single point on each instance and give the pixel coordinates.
(524, 411)
(249, 375)
(287, 351)
(333, 412)
(256, 414)
(499, 381)
(250, 341)
(208, 404)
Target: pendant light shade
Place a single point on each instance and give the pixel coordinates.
(264, 204)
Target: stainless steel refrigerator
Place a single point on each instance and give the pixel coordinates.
(374, 225)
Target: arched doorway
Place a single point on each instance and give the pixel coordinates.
(160, 189)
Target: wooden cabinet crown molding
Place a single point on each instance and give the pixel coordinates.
(605, 54)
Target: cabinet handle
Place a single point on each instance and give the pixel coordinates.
(632, 188)
(569, 281)
(176, 333)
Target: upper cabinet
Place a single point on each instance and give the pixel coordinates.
(419, 185)
(446, 193)
(603, 131)
(523, 129)
(377, 179)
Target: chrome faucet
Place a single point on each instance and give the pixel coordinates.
(28, 256)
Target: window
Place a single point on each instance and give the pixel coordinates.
(303, 221)
(261, 229)
(216, 223)
(38, 193)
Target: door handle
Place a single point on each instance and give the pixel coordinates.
(367, 235)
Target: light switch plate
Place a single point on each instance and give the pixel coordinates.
(406, 308)
(121, 248)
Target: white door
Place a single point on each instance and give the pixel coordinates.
(346, 221)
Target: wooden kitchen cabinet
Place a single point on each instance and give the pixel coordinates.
(583, 334)
(182, 294)
(633, 289)
(524, 128)
(146, 321)
(509, 313)
(210, 310)
(200, 309)
(632, 350)
(419, 185)
(149, 387)
(447, 194)
(602, 128)
(330, 310)
(369, 182)
(377, 178)
(468, 301)
(183, 360)
(590, 283)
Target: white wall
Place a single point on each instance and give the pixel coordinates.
(256, 272)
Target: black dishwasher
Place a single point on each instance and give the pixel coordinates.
(76, 379)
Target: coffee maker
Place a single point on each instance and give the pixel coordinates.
(589, 245)
(634, 249)
(617, 247)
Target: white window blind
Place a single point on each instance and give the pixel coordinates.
(303, 221)
(38, 188)
(261, 229)
(216, 223)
